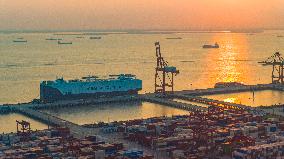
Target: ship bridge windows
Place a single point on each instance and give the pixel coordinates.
(92, 88)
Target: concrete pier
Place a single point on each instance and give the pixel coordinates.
(168, 102)
(208, 91)
(212, 102)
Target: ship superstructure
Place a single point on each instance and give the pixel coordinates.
(90, 86)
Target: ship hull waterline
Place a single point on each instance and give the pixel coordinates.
(49, 94)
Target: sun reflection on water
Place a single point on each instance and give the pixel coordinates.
(258, 98)
(232, 100)
(228, 59)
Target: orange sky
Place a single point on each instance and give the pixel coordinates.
(140, 14)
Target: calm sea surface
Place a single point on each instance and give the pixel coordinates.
(258, 98)
(114, 112)
(24, 65)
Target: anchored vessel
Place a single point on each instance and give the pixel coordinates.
(60, 42)
(206, 46)
(91, 86)
(20, 41)
(53, 39)
(95, 37)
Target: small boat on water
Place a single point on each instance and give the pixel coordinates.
(53, 39)
(79, 37)
(206, 46)
(280, 36)
(261, 62)
(228, 84)
(20, 41)
(95, 37)
(62, 43)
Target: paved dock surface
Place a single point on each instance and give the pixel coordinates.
(212, 102)
(118, 137)
(165, 101)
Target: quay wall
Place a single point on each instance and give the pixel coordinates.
(209, 91)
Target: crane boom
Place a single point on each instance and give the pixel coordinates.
(277, 62)
(164, 76)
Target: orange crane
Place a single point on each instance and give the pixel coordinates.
(164, 77)
(277, 62)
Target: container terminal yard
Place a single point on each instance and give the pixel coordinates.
(216, 130)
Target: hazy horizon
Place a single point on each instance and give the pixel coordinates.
(141, 15)
(142, 30)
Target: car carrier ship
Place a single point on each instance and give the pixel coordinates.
(89, 87)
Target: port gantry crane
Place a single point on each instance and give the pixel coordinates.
(23, 126)
(164, 77)
(277, 62)
(24, 129)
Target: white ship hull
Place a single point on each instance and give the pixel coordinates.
(62, 90)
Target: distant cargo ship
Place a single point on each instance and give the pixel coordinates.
(53, 39)
(20, 41)
(61, 43)
(91, 86)
(216, 45)
(95, 37)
